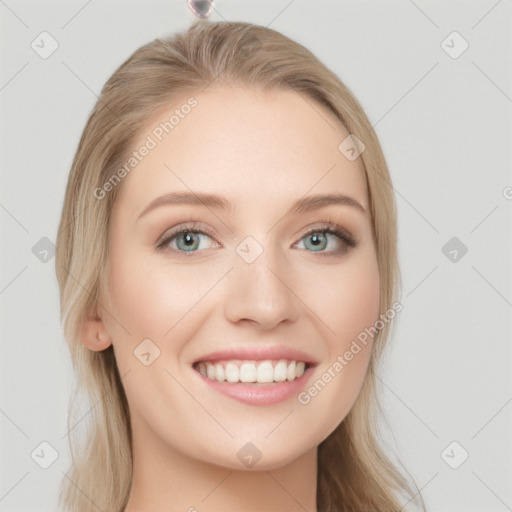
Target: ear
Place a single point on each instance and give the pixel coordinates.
(94, 334)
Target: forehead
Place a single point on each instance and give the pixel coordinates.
(249, 145)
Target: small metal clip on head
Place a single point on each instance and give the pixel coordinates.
(201, 8)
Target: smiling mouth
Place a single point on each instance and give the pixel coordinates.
(252, 372)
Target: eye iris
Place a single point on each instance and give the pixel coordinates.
(318, 239)
(188, 237)
(189, 240)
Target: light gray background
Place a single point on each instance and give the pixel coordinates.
(445, 126)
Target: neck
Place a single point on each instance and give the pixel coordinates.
(165, 479)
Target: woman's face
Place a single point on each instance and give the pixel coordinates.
(245, 289)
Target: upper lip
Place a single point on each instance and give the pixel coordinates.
(259, 353)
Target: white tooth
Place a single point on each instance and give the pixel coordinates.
(210, 370)
(280, 371)
(290, 371)
(265, 372)
(248, 372)
(232, 372)
(219, 373)
(299, 369)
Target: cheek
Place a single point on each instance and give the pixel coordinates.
(349, 306)
(355, 309)
(150, 295)
(345, 298)
(358, 299)
(153, 298)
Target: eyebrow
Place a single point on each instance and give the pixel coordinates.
(303, 205)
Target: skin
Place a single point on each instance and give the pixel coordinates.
(262, 151)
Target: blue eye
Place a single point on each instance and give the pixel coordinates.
(188, 240)
(319, 240)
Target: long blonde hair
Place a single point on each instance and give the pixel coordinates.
(354, 473)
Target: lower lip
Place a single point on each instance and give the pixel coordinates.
(259, 394)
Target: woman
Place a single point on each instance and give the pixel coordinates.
(228, 272)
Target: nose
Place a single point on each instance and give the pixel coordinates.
(261, 292)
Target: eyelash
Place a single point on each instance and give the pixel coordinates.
(329, 227)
